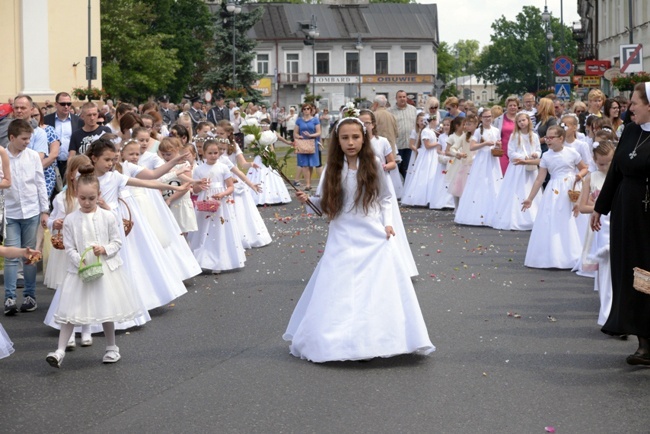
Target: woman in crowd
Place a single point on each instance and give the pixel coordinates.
(308, 128)
(612, 112)
(506, 124)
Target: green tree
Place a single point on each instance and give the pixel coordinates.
(220, 75)
(446, 62)
(449, 91)
(466, 54)
(519, 51)
(134, 63)
(189, 24)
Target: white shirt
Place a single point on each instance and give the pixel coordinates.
(38, 141)
(27, 196)
(63, 129)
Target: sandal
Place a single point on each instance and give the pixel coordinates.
(55, 358)
(112, 354)
(86, 340)
(72, 344)
(308, 188)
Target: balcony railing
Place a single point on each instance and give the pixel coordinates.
(587, 52)
(293, 78)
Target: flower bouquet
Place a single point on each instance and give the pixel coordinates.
(627, 82)
(261, 144)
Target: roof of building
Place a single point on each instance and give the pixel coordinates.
(375, 20)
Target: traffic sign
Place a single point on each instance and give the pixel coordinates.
(560, 79)
(563, 66)
(631, 58)
(563, 91)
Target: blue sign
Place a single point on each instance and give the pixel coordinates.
(562, 66)
(563, 91)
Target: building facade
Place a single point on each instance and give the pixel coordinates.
(44, 46)
(473, 88)
(343, 52)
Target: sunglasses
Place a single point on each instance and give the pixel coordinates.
(433, 108)
(100, 123)
(67, 104)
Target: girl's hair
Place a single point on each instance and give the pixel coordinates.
(603, 148)
(87, 176)
(367, 175)
(230, 131)
(213, 142)
(470, 118)
(456, 124)
(99, 146)
(605, 135)
(149, 107)
(122, 109)
(135, 131)
(180, 132)
(71, 191)
(497, 111)
(557, 130)
(545, 110)
(188, 119)
(170, 144)
(373, 119)
(419, 116)
(518, 130)
(130, 120)
(189, 148)
(600, 123)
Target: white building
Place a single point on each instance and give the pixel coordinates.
(476, 89)
(359, 50)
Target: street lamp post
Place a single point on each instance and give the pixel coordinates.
(313, 33)
(539, 74)
(546, 18)
(457, 57)
(233, 8)
(359, 47)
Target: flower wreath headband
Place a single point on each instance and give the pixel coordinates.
(350, 113)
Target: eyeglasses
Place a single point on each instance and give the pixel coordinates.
(100, 123)
(367, 124)
(67, 104)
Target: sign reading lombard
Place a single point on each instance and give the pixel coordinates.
(336, 79)
(389, 79)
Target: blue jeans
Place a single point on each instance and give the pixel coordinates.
(21, 233)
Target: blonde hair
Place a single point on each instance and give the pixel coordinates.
(519, 132)
(594, 94)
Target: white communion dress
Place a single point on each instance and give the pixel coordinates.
(356, 306)
(273, 189)
(6, 346)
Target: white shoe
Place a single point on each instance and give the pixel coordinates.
(72, 344)
(86, 339)
(55, 358)
(112, 354)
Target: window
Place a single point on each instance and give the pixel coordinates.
(410, 63)
(381, 63)
(263, 64)
(322, 63)
(352, 63)
(293, 62)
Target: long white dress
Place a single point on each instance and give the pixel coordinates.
(382, 148)
(410, 170)
(355, 307)
(6, 346)
(217, 242)
(57, 261)
(182, 208)
(421, 178)
(517, 183)
(107, 299)
(438, 192)
(484, 182)
(554, 241)
(251, 225)
(273, 189)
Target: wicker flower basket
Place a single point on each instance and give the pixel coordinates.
(207, 205)
(497, 152)
(574, 194)
(641, 280)
(57, 241)
(90, 272)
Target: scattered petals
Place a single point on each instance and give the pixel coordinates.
(549, 429)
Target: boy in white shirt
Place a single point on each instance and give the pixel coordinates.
(26, 206)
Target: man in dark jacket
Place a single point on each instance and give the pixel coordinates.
(65, 123)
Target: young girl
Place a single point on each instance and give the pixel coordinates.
(384, 152)
(145, 262)
(414, 143)
(439, 197)
(484, 180)
(91, 233)
(64, 203)
(555, 241)
(217, 242)
(179, 202)
(570, 124)
(251, 225)
(155, 211)
(595, 254)
(524, 151)
(6, 346)
(356, 306)
(463, 158)
(273, 189)
(417, 191)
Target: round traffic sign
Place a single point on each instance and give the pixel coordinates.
(562, 66)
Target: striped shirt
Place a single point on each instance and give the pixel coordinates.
(405, 123)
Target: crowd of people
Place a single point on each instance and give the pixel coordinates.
(534, 165)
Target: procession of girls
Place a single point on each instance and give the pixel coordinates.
(458, 163)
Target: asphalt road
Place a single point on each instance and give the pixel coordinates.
(518, 350)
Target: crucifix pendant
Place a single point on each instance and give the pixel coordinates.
(632, 154)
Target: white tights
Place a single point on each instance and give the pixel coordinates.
(67, 330)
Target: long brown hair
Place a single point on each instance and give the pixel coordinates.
(227, 127)
(71, 172)
(367, 175)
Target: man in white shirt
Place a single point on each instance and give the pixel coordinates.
(26, 206)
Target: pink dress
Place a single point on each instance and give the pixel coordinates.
(507, 128)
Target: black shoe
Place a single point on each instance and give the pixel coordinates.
(638, 359)
(29, 304)
(10, 307)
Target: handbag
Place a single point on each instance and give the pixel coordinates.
(641, 280)
(305, 146)
(90, 272)
(127, 223)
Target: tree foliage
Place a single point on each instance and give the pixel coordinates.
(519, 51)
(466, 54)
(134, 63)
(446, 62)
(219, 77)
